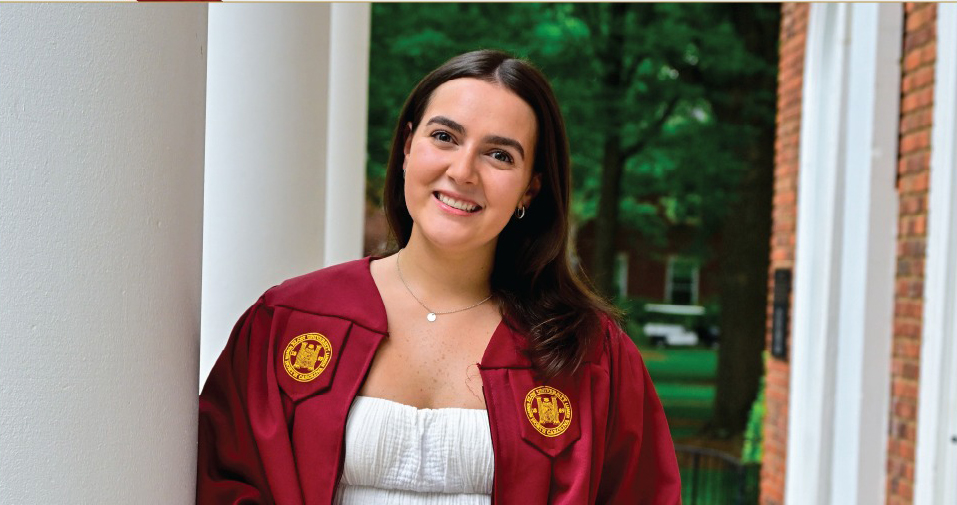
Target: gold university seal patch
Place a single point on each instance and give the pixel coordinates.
(306, 356)
(549, 410)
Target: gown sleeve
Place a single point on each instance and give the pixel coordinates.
(230, 469)
(640, 466)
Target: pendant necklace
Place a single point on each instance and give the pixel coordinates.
(433, 315)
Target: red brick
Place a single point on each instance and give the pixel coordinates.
(917, 88)
(922, 179)
(918, 37)
(786, 149)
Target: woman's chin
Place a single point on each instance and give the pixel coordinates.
(454, 241)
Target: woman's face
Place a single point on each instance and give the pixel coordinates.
(468, 165)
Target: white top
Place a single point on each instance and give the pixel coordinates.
(396, 454)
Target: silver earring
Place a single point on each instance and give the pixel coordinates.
(520, 213)
(403, 173)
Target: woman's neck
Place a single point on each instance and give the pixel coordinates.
(443, 277)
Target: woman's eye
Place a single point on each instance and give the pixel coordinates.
(442, 136)
(502, 156)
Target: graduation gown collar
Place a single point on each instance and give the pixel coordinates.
(348, 291)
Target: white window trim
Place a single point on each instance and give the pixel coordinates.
(621, 262)
(844, 262)
(936, 456)
(669, 288)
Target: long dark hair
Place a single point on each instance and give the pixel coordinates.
(539, 291)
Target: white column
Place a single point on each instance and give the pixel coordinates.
(102, 110)
(865, 327)
(285, 166)
(846, 243)
(348, 106)
(817, 257)
(936, 458)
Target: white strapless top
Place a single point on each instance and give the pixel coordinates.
(396, 454)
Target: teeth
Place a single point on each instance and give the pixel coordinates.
(451, 202)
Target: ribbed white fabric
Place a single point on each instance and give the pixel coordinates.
(400, 455)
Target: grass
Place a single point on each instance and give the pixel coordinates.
(684, 380)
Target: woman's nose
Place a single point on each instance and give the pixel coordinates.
(462, 167)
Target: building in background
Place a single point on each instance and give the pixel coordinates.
(669, 274)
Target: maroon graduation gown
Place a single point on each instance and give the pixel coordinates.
(273, 411)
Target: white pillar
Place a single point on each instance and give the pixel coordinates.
(102, 111)
(866, 313)
(348, 106)
(846, 244)
(817, 257)
(286, 136)
(936, 458)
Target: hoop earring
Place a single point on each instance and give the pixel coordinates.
(520, 212)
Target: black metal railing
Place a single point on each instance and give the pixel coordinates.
(710, 477)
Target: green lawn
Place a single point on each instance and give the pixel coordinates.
(684, 379)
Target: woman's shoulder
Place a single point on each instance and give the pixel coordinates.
(344, 290)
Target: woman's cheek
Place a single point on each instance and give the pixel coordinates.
(430, 159)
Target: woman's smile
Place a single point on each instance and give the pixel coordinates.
(456, 206)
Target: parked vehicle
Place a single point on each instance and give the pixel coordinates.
(678, 325)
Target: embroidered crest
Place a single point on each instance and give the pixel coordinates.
(306, 356)
(549, 410)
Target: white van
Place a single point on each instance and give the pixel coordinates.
(672, 324)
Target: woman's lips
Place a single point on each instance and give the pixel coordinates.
(455, 201)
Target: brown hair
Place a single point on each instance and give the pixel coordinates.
(532, 275)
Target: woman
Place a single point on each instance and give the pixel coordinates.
(471, 366)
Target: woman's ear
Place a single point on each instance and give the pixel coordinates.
(407, 147)
(534, 186)
(408, 139)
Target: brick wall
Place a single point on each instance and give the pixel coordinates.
(784, 227)
(917, 96)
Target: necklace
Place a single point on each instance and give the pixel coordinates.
(433, 315)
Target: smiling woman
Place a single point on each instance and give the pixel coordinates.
(465, 167)
(471, 364)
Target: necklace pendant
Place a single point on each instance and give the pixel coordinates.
(431, 317)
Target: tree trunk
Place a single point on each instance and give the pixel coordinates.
(743, 282)
(745, 246)
(606, 223)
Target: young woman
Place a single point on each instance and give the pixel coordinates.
(470, 366)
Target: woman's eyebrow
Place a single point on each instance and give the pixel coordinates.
(491, 139)
(442, 120)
